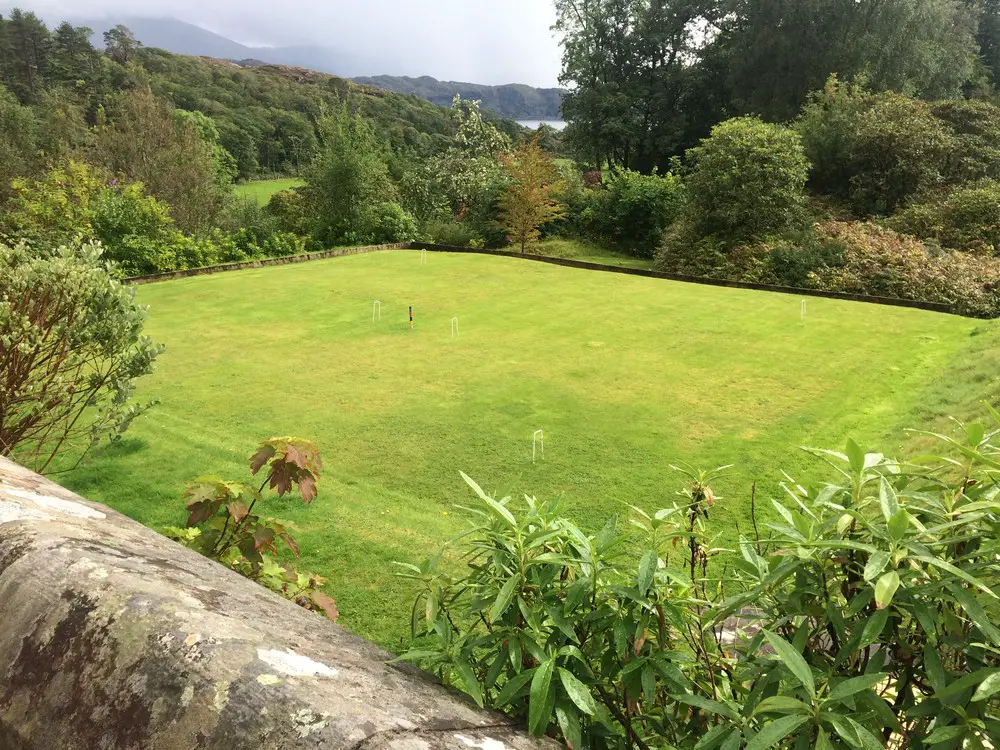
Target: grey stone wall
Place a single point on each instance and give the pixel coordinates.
(113, 637)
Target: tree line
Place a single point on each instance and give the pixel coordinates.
(649, 78)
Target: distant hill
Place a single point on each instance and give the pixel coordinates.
(513, 101)
(187, 39)
(516, 101)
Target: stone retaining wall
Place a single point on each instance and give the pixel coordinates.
(112, 637)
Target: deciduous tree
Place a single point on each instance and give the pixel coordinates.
(528, 201)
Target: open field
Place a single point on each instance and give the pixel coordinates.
(263, 190)
(624, 374)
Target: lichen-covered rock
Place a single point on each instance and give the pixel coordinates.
(113, 637)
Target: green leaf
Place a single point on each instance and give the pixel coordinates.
(469, 679)
(714, 738)
(501, 511)
(569, 723)
(976, 612)
(649, 683)
(887, 499)
(934, 669)
(873, 628)
(577, 692)
(876, 564)
(772, 734)
(793, 660)
(946, 566)
(898, 524)
(540, 698)
(886, 589)
(975, 433)
(647, 567)
(987, 688)
(855, 685)
(868, 740)
(512, 686)
(706, 704)
(504, 598)
(733, 742)
(944, 734)
(855, 456)
(781, 704)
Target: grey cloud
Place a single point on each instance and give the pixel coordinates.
(484, 41)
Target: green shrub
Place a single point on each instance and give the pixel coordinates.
(828, 126)
(633, 210)
(975, 126)
(969, 219)
(747, 181)
(453, 233)
(385, 223)
(900, 151)
(859, 616)
(71, 349)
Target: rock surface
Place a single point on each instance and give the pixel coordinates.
(113, 637)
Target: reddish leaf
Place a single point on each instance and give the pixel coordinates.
(307, 487)
(238, 509)
(264, 454)
(202, 511)
(293, 456)
(327, 604)
(263, 538)
(292, 545)
(282, 478)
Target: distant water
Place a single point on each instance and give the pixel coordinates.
(533, 124)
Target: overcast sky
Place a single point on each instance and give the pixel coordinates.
(484, 41)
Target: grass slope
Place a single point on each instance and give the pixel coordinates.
(624, 374)
(263, 190)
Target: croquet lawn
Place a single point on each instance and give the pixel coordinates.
(625, 375)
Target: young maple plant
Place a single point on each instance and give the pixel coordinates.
(223, 525)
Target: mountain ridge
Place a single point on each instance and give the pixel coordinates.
(513, 101)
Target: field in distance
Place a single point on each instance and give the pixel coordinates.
(263, 190)
(625, 375)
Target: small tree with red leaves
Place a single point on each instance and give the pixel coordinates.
(222, 523)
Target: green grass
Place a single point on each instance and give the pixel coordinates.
(263, 190)
(624, 374)
(582, 250)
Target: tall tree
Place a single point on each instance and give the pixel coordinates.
(121, 45)
(29, 47)
(75, 61)
(145, 142)
(528, 201)
(348, 177)
(780, 50)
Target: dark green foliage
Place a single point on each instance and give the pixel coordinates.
(633, 210)
(899, 152)
(747, 180)
(975, 127)
(968, 219)
(780, 50)
(222, 523)
(348, 179)
(855, 614)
